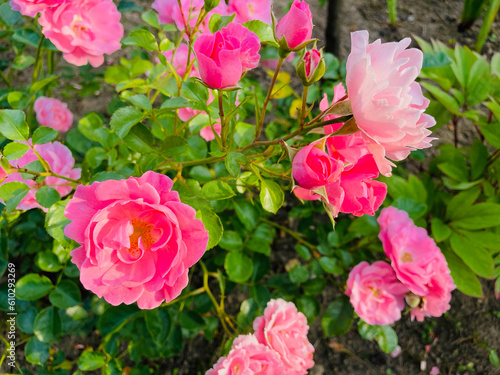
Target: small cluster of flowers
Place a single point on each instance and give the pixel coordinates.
(83, 30)
(418, 273)
(279, 345)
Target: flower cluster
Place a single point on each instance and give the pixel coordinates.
(278, 346)
(137, 239)
(60, 161)
(84, 30)
(418, 273)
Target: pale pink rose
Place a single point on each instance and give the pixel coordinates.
(83, 30)
(312, 167)
(387, 103)
(225, 56)
(283, 329)
(375, 293)
(338, 94)
(248, 357)
(60, 161)
(32, 7)
(169, 12)
(208, 135)
(363, 195)
(413, 254)
(53, 113)
(179, 62)
(250, 10)
(137, 239)
(296, 26)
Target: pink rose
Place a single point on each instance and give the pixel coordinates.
(248, 357)
(363, 195)
(338, 94)
(226, 55)
(84, 30)
(179, 62)
(296, 26)
(284, 330)
(53, 113)
(208, 135)
(375, 293)
(311, 68)
(60, 161)
(169, 12)
(387, 103)
(32, 7)
(312, 167)
(413, 254)
(137, 239)
(251, 10)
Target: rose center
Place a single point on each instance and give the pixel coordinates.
(406, 258)
(141, 231)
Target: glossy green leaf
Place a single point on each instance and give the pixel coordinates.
(89, 361)
(338, 317)
(13, 125)
(15, 150)
(213, 224)
(141, 38)
(67, 294)
(476, 257)
(217, 190)
(44, 135)
(465, 280)
(123, 119)
(238, 266)
(47, 326)
(478, 216)
(387, 339)
(271, 196)
(47, 196)
(37, 352)
(440, 231)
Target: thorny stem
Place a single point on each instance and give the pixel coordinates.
(304, 104)
(493, 157)
(224, 130)
(185, 296)
(43, 174)
(266, 101)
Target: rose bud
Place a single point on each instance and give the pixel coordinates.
(311, 68)
(293, 32)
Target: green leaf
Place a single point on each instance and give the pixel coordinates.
(48, 261)
(238, 266)
(217, 190)
(141, 38)
(493, 357)
(18, 100)
(33, 286)
(123, 119)
(26, 319)
(194, 91)
(479, 216)
(448, 101)
(414, 209)
(15, 150)
(9, 16)
(114, 316)
(367, 331)
(231, 241)
(218, 21)
(299, 274)
(309, 306)
(173, 146)
(140, 101)
(92, 127)
(330, 265)
(440, 231)
(478, 159)
(140, 139)
(263, 31)
(116, 74)
(233, 162)
(476, 257)
(89, 361)
(465, 280)
(158, 323)
(67, 294)
(47, 326)
(55, 222)
(151, 18)
(338, 317)
(174, 103)
(13, 125)
(247, 213)
(36, 352)
(47, 196)
(38, 85)
(387, 339)
(44, 135)
(461, 200)
(271, 196)
(212, 224)
(12, 193)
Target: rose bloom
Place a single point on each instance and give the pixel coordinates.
(84, 30)
(32, 7)
(413, 254)
(248, 357)
(179, 62)
(225, 56)
(53, 113)
(60, 161)
(296, 26)
(375, 293)
(386, 102)
(169, 12)
(312, 167)
(208, 135)
(137, 240)
(250, 10)
(283, 329)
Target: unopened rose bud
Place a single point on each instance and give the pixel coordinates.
(293, 32)
(412, 300)
(311, 68)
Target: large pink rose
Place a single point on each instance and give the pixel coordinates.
(251, 10)
(296, 26)
(375, 293)
(60, 161)
(53, 113)
(313, 167)
(84, 30)
(226, 55)
(248, 357)
(387, 103)
(413, 254)
(137, 239)
(283, 329)
(32, 7)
